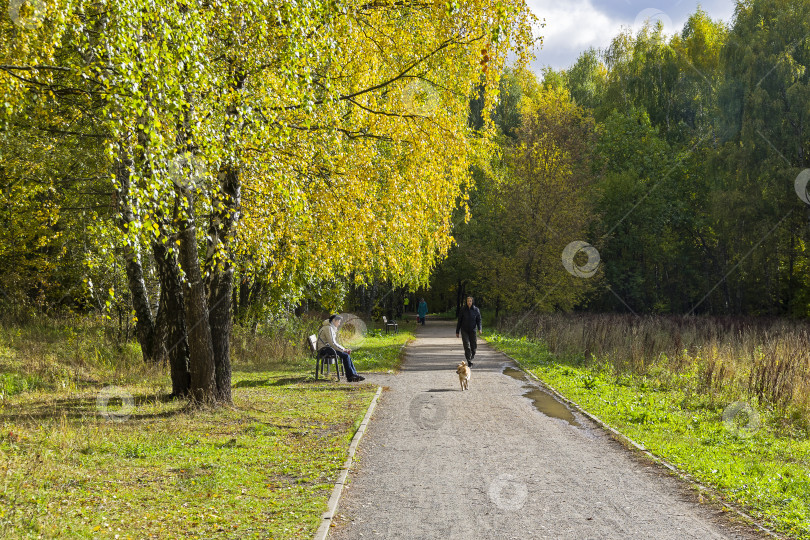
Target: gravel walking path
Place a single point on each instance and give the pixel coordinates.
(440, 463)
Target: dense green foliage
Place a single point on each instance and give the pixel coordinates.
(689, 182)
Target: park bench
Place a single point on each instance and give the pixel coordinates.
(390, 324)
(324, 357)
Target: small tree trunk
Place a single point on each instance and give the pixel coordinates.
(372, 301)
(220, 282)
(245, 288)
(145, 325)
(221, 325)
(224, 220)
(172, 339)
(201, 349)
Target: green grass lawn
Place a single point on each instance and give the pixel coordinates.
(263, 468)
(379, 352)
(755, 458)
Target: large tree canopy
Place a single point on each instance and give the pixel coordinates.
(223, 143)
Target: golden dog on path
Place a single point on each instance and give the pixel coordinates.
(463, 375)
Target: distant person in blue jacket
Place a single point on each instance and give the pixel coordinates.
(421, 311)
(469, 320)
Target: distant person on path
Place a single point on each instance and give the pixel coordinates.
(422, 311)
(469, 320)
(327, 337)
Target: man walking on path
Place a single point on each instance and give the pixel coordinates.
(469, 320)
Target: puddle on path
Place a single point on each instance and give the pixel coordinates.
(516, 374)
(542, 400)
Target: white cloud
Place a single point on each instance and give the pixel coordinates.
(572, 26)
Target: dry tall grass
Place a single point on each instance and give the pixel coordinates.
(277, 344)
(767, 359)
(69, 353)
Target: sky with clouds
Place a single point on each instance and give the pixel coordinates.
(573, 26)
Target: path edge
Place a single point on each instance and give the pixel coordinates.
(624, 438)
(337, 491)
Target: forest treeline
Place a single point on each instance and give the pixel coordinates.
(676, 157)
(179, 165)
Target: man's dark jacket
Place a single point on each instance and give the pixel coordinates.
(469, 319)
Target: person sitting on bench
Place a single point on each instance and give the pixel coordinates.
(327, 337)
